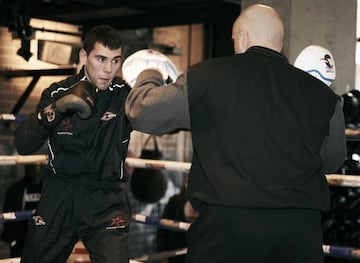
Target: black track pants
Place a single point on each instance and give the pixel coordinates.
(234, 235)
(68, 212)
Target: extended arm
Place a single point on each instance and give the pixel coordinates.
(31, 136)
(155, 108)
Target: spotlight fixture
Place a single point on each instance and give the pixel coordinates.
(24, 50)
(19, 26)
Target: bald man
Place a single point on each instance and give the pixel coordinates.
(260, 129)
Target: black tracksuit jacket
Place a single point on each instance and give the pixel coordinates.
(94, 148)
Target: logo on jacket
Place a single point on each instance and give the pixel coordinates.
(39, 221)
(66, 126)
(117, 222)
(108, 116)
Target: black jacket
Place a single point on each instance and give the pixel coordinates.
(94, 148)
(264, 133)
(258, 125)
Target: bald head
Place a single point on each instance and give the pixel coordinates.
(258, 25)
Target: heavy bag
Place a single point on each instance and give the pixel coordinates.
(148, 185)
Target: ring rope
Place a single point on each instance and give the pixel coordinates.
(132, 162)
(17, 260)
(23, 159)
(162, 255)
(10, 260)
(337, 251)
(9, 117)
(333, 179)
(348, 252)
(15, 216)
(161, 222)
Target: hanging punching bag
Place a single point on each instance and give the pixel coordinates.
(148, 185)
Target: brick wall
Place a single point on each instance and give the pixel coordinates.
(12, 88)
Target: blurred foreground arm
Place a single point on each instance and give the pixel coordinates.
(155, 108)
(333, 150)
(156, 104)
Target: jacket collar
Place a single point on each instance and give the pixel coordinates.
(267, 52)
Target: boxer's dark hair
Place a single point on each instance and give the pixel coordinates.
(103, 34)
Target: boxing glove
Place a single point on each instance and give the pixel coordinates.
(78, 98)
(148, 59)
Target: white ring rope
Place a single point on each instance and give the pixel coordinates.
(10, 260)
(17, 260)
(132, 162)
(23, 159)
(333, 179)
(158, 164)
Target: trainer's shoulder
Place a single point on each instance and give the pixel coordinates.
(209, 64)
(312, 84)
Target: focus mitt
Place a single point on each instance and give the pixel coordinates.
(148, 59)
(317, 61)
